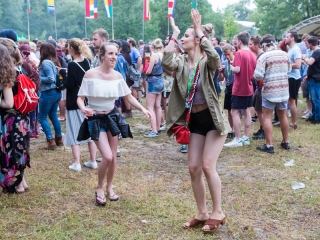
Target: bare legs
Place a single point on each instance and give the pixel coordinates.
(203, 154)
(62, 110)
(293, 110)
(153, 105)
(237, 122)
(76, 152)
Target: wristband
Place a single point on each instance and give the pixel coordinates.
(201, 38)
(173, 39)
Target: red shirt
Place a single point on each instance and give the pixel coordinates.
(242, 85)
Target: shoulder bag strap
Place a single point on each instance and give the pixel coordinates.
(79, 66)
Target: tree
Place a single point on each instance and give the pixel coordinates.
(240, 10)
(230, 27)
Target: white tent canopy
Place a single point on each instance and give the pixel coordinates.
(310, 26)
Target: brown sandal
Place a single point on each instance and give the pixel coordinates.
(194, 222)
(213, 224)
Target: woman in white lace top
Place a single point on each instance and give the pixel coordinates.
(102, 86)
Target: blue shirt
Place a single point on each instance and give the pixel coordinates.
(294, 53)
(48, 75)
(135, 54)
(120, 67)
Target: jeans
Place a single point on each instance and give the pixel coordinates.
(48, 106)
(314, 96)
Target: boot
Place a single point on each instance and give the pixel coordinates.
(58, 141)
(51, 145)
(259, 136)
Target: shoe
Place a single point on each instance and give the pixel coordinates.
(258, 132)
(294, 126)
(253, 121)
(273, 121)
(236, 142)
(143, 95)
(246, 141)
(59, 141)
(114, 197)
(289, 114)
(98, 202)
(151, 135)
(193, 223)
(127, 114)
(315, 122)
(75, 167)
(306, 111)
(118, 153)
(163, 127)
(266, 149)
(19, 189)
(184, 148)
(308, 115)
(51, 145)
(90, 164)
(310, 119)
(99, 159)
(276, 124)
(120, 136)
(259, 136)
(230, 135)
(285, 145)
(213, 224)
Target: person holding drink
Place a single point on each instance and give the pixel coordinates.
(208, 125)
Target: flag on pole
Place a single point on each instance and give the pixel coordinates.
(28, 7)
(171, 5)
(194, 4)
(50, 4)
(109, 8)
(91, 8)
(146, 10)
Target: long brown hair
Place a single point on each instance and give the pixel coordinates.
(48, 52)
(7, 68)
(13, 50)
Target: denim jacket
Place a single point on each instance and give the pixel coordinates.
(48, 74)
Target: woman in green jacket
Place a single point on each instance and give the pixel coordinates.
(208, 124)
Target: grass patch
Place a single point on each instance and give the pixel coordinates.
(153, 183)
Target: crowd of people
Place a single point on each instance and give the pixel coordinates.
(91, 84)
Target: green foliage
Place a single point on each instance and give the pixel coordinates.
(240, 10)
(230, 27)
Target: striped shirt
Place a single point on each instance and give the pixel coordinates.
(273, 68)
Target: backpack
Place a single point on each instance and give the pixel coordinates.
(60, 79)
(32, 71)
(26, 100)
(132, 74)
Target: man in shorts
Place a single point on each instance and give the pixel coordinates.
(272, 68)
(294, 77)
(242, 91)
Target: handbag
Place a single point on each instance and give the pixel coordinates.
(60, 79)
(182, 133)
(132, 72)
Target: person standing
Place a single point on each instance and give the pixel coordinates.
(100, 36)
(242, 91)
(272, 68)
(294, 77)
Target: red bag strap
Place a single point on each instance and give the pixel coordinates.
(193, 92)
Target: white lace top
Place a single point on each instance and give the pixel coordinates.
(101, 94)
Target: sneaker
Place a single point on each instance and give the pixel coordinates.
(310, 119)
(99, 159)
(230, 135)
(258, 132)
(118, 153)
(285, 145)
(151, 135)
(75, 167)
(266, 149)
(273, 121)
(184, 148)
(307, 115)
(276, 124)
(163, 127)
(306, 111)
(245, 141)
(289, 114)
(236, 142)
(259, 136)
(90, 164)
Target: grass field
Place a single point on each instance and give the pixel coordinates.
(153, 183)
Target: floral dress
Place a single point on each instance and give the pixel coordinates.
(15, 144)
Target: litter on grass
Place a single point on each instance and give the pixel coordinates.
(290, 163)
(297, 185)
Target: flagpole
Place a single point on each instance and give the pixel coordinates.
(112, 27)
(85, 20)
(55, 23)
(28, 25)
(142, 27)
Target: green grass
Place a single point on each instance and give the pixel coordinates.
(153, 183)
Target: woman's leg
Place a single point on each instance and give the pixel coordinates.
(211, 152)
(195, 154)
(54, 118)
(76, 153)
(44, 109)
(158, 110)
(113, 142)
(164, 102)
(93, 151)
(62, 110)
(150, 102)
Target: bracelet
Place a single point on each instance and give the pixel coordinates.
(201, 38)
(173, 39)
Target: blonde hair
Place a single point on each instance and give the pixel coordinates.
(33, 46)
(157, 45)
(13, 50)
(103, 49)
(80, 47)
(227, 47)
(102, 33)
(206, 29)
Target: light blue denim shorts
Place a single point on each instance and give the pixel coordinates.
(272, 105)
(155, 87)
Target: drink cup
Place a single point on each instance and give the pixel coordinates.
(147, 57)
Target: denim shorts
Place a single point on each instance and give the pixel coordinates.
(155, 87)
(201, 122)
(103, 127)
(272, 105)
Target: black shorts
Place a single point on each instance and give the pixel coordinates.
(227, 101)
(241, 102)
(305, 89)
(165, 94)
(257, 100)
(201, 122)
(294, 86)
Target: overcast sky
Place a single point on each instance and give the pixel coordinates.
(222, 3)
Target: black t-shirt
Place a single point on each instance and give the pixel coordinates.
(315, 67)
(73, 83)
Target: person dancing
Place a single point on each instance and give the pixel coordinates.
(102, 86)
(208, 124)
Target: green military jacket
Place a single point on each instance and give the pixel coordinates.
(176, 109)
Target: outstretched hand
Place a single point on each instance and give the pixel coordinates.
(196, 18)
(175, 28)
